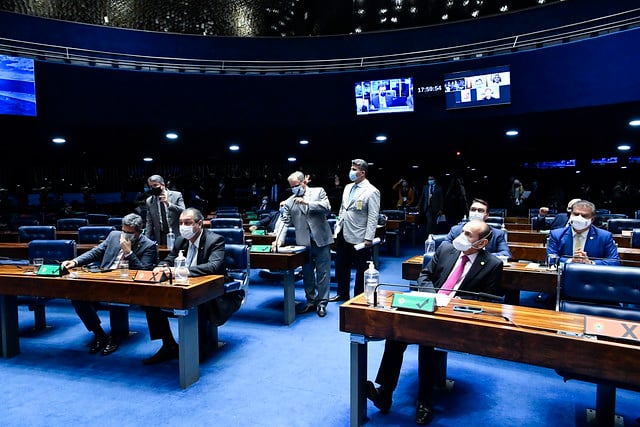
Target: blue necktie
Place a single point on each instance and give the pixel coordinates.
(353, 191)
(191, 254)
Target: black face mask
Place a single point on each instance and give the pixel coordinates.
(155, 191)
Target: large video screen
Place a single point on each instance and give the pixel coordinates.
(384, 96)
(17, 86)
(478, 88)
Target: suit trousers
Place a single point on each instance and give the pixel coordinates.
(347, 257)
(389, 370)
(317, 271)
(159, 327)
(88, 312)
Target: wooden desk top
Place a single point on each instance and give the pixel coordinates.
(538, 252)
(521, 334)
(109, 287)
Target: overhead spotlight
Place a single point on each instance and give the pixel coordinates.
(171, 136)
(304, 141)
(234, 147)
(512, 132)
(291, 159)
(624, 147)
(634, 122)
(58, 140)
(147, 159)
(381, 138)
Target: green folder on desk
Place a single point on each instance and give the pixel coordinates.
(260, 248)
(251, 216)
(254, 222)
(259, 232)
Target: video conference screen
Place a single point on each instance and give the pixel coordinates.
(17, 86)
(384, 96)
(478, 88)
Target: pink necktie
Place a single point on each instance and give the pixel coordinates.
(454, 277)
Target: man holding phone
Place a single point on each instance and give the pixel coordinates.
(164, 207)
(462, 265)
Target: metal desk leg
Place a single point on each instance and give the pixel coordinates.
(189, 358)
(9, 325)
(289, 297)
(358, 380)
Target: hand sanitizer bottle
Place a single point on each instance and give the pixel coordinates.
(181, 271)
(371, 281)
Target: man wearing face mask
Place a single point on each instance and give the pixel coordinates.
(306, 210)
(128, 244)
(357, 223)
(431, 204)
(479, 210)
(582, 241)
(461, 265)
(204, 251)
(163, 210)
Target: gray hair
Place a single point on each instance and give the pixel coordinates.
(298, 175)
(156, 178)
(584, 204)
(361, 164)
(197, 215)
(133, 220)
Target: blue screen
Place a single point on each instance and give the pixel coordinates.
(478, 88)
(384, 96)
(17, 86)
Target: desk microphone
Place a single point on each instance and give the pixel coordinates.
(482, 296)
(375, 291)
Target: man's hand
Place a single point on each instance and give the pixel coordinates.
(581, 257)
(125, 244)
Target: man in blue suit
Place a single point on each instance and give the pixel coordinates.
(479, 210)
(128, 245)
(582, 241)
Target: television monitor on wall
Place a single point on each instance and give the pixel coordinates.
(478, 88)
(17, 86)
(384, 96)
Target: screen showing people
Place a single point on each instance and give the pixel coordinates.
(478, 88)
(384, 96)
(17, 86)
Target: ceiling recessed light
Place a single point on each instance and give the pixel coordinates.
(624, 147)
(381, 138)
(634, 122)
(234, 147)
(291, 159)
(304, 141)
(147, 159)
(511, 132)
(171, 135)
(58, 140)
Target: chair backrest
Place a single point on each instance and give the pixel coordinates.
(497, 212)
(231, 235)
(535, 225)
(290, 236)
(52, 251)
(635, 238)
(236, 259)
(228, 215)
(71, 224)
(600, 219)
(19, 221)
(603, 211)
(27, 233)
(94, 233)
(616, 225)
(495, 220)
(395, 214)
(226, 223)
(98, 219)
(115, 221)
(600, 290)
(227, 209)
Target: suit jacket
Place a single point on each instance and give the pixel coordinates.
(484, 275)
(153, 225)
(358, 218)
(559, 221)
(436, 204)
(599, 244)
(311, 217)
(497, 244)
(210, 258)
(144, 253)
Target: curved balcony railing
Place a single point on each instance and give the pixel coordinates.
(517, 42)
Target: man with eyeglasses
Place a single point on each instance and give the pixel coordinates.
(128, 245)
(497, 243)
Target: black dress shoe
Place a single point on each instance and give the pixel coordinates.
(98, 344)
(166, 352)
(307, 308)
(112, 345)
(424, 413)
(339, 297)
(381, 400)
(322, 310)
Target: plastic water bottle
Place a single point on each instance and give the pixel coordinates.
(181, 271)
(171, 238)
(505, 231)
(429, 249)
(371, 281)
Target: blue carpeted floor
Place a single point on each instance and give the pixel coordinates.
(267, 374)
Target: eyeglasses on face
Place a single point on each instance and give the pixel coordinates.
(481, 210)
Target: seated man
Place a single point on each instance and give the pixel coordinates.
(498, 242)
(130, 245)
(204, 251)
(562, 219)
(463, 265)
(540, 221)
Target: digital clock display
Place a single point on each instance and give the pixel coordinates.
(428, 89)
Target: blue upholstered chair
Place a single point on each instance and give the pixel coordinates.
(27, 233)
(94, 233)
(20, 220)
(53, 252)
(236, 258)
(635, 238)
(115, 221)
(228, 215)
(231, 235)
(226, 223)
(603, 291)
(71, 224)
(616, 225)
(497, 212)
(98, 219)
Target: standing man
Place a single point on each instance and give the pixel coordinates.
(357, 223)
(431, 204)
(306, 210)
(128, 245)
(464, 265)
(163, 210)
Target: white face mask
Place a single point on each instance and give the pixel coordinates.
(476, 215)
(579, 223)
(297, 191)
(187, 232)
(461, 243)
(353, 175)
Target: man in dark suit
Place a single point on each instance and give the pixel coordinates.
(431, 204)
(129, 245)
(204, 251)
(480, 272)
(582, 241)
(163, 210)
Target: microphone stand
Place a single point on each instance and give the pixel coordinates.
(375, 291)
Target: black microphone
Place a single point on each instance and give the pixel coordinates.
(483, 296)
(375, 291)
(279, 234)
